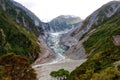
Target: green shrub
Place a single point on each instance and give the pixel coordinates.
(16, 67)
(118, 67)
(62, 74)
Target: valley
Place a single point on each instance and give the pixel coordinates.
(61, 62)
(31, 49)
(44, 70)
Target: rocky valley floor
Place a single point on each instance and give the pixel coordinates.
(44, 70)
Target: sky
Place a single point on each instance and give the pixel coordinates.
(46, 10)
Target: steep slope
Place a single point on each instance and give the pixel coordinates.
(14, 38)
(56, 28)
(97, 18)
(28, 20)
(21, 15)
(103, 50)
(89, 25)
(28, 12)
(18, 49)
(63, 22)
(12, 15)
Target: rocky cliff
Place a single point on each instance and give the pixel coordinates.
(101, 45)
(24, 17)
(94, 20)
(19, 46)
(89, 25)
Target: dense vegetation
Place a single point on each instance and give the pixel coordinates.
(18, 43)
(17, 31)
(20, 15)
(61, 74)
(14, 38)
(103, 53)
(14, 67)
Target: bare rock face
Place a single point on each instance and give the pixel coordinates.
(76, 52)
(46, 55)
(95, 20)
(116, 40)
(92, 22)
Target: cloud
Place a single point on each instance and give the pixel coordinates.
(49, 9)
(27, 3)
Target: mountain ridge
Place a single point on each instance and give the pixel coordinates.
(94, 20)
(102, 54)
(96, 38)
(64, 22)
(99, 43)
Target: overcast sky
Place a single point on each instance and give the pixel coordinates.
(49, 9)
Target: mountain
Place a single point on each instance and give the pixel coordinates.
(22, 15)
(23, 41)
(97, 18)
(75, 38)
(36, 20)
(36, 49)
(100, 44)
(17, 37)
(19, 46)
(63, 22)
(20, 42)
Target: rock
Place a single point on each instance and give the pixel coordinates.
(46, 55)
(116, 40)
(76, 52)
(94, 20)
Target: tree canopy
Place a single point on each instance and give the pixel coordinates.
(16, 67)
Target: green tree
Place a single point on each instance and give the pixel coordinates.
(61, 74)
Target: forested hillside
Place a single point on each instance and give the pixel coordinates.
(18, 43)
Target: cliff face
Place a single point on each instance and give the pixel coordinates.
(89, 25)
(103, 51)
(15, 38)
(101, 45)
(22, 15)
(28, 21)
(94, 20)
(18, 44)
(97, 18)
